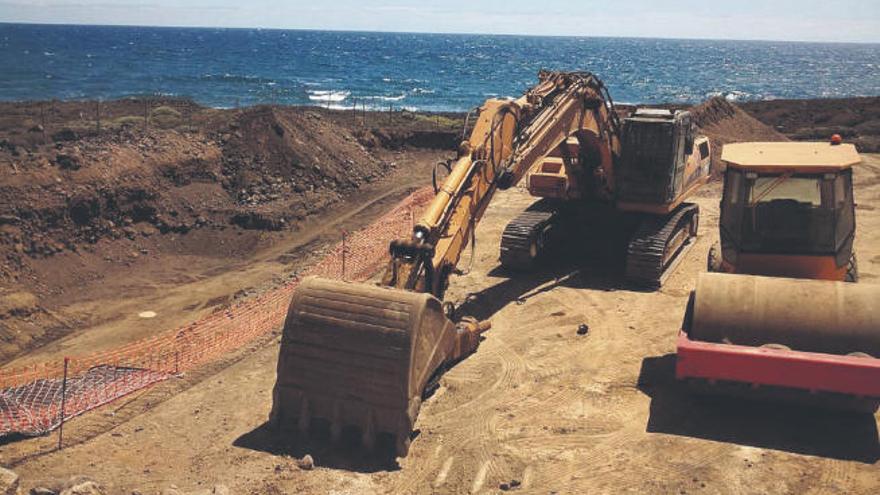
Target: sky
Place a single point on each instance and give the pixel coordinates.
(786, 20)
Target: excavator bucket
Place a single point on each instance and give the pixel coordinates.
(790, 338)
(359, 356)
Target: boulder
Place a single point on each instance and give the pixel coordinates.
(83, 487)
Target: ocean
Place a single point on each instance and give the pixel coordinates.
(430, 72)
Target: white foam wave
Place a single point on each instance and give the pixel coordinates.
(387, 98)
(328, 95)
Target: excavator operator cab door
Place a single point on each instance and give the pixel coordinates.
(787, 214)
(655, 147)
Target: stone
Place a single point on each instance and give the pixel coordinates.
(42, 490)
(306, 463)
(83, 487)
(67, 162)
(8, 482)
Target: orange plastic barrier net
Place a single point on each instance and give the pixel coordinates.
(32, 397)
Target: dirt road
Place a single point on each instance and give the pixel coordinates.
(538, 409)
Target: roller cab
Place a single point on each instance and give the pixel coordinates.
(787, 211)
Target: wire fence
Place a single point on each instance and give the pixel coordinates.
(36, 399)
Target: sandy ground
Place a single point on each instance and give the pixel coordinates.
(537, 405)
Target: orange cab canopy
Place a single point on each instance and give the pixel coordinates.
(792, 157)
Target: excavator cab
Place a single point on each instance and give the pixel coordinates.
(655, 151)
(787, 210)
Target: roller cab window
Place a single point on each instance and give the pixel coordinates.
(788, 213)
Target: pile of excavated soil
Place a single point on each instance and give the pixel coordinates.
(723, 122)
(856, 119)
(73, 201)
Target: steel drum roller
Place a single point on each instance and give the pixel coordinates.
(804, 315)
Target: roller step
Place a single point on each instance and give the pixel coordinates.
(658, 245)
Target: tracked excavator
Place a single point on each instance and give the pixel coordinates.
(359, 358)
(778, 316)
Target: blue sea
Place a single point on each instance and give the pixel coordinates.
(433, 72)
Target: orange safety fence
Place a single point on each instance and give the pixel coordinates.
(32, 397)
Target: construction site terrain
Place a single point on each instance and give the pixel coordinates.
(116, 236)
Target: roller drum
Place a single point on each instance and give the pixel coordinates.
(803, 315)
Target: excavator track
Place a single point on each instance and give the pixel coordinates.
(525, 238)
(659, 244)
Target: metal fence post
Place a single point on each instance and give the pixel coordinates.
(344, 249)
(63, 403)
(146, 113)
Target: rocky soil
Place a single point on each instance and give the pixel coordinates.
(73, 199)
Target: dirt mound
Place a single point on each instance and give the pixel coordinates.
(856, 119)
(270, 151)
(723, 122)
(71, 209)
(268, 168)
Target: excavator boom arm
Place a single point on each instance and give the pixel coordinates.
(508, 138)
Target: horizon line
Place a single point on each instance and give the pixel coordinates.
(440, 33)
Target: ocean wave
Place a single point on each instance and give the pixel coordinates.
(734, 95)
(384, 98)
(328, 95)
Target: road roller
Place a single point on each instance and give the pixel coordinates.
(778, 314)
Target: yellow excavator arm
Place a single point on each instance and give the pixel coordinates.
(360, 355)
(508, 138)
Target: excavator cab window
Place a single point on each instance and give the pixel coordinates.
(704, 150)
(787, 213)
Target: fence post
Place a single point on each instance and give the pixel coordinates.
(43, 119)
(146, 113)
(63, 403)
(344, 249)
(98, 115)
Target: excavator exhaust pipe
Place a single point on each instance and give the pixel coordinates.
(356, 355)
(811, 336)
